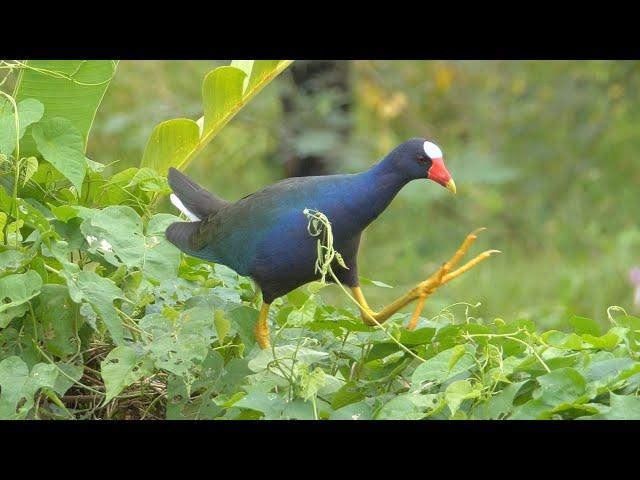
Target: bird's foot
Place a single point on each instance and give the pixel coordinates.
(446, 273)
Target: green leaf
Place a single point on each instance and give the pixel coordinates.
(30, 166)
(285, 355)
(117, 234)
(123, 367)
(170, 141)
(59, 318)
(346, 395)
(28, 213)
(29, 112)
(149, 181)
(409, 406)
(178, 346)
(584, 325)
(608, 341)
(562, 340)
(161, 258)
(603, 373)
(243, 319)
(11, 259)
(311, 381)
(63, 382)
(354, 411)
(64, 213)
(62, 145)
(622, 407)
(559, 390)
(420, 336)
(99, 293)
(72, 89)
(563, 385)
(445, 365)
(221, 90)
(223, 325)
(263, 70)
(14, 236)
(269, 404)
(18, 386)
(16, 290)
(246, 66)
(304, 315)
(175, 143)
(499, 405)
(457, 392)
(7, 127)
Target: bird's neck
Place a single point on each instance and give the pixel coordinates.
(377, 188)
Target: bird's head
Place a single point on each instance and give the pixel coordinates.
(419, 158)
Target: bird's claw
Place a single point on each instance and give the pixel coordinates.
(446, 273)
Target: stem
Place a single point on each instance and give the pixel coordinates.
(16, 181)
(509, 336)
(378, 324)
(51, 269)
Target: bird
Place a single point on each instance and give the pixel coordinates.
(265, 235)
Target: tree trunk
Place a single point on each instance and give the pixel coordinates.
(316, 117)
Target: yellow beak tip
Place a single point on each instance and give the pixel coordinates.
(451, 186)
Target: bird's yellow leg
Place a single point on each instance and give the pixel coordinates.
(261, 330)
(424, 289)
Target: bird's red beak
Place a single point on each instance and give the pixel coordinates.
(439, 174)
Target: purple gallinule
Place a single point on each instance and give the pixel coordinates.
(264, 235)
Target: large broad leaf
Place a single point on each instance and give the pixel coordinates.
(408, 406)
(171, 141)
(62, 145)
(28, 213)
(15, 291)
(29, 111)
(18, 386)
(286, 355)
(270, 404)
(123, 366)
(58, 317)
(445, 365)
(72, 89)
(225, 91)
(559, 390)
(99, 293)
(458, 392)
(180, 345)
(117, 234)
(622, 408)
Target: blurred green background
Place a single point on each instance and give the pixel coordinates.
(543, 154)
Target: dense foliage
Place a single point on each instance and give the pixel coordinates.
(100, 317)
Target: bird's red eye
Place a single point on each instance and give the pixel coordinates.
(422, 158)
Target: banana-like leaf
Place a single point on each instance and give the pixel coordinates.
(72, 89)
(225, 90)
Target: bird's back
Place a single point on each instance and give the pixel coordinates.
(269, 226)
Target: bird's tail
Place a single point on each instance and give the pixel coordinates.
(184, 236)
(191, 199)
(197, 204)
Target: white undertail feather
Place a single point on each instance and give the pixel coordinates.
(180, 206)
